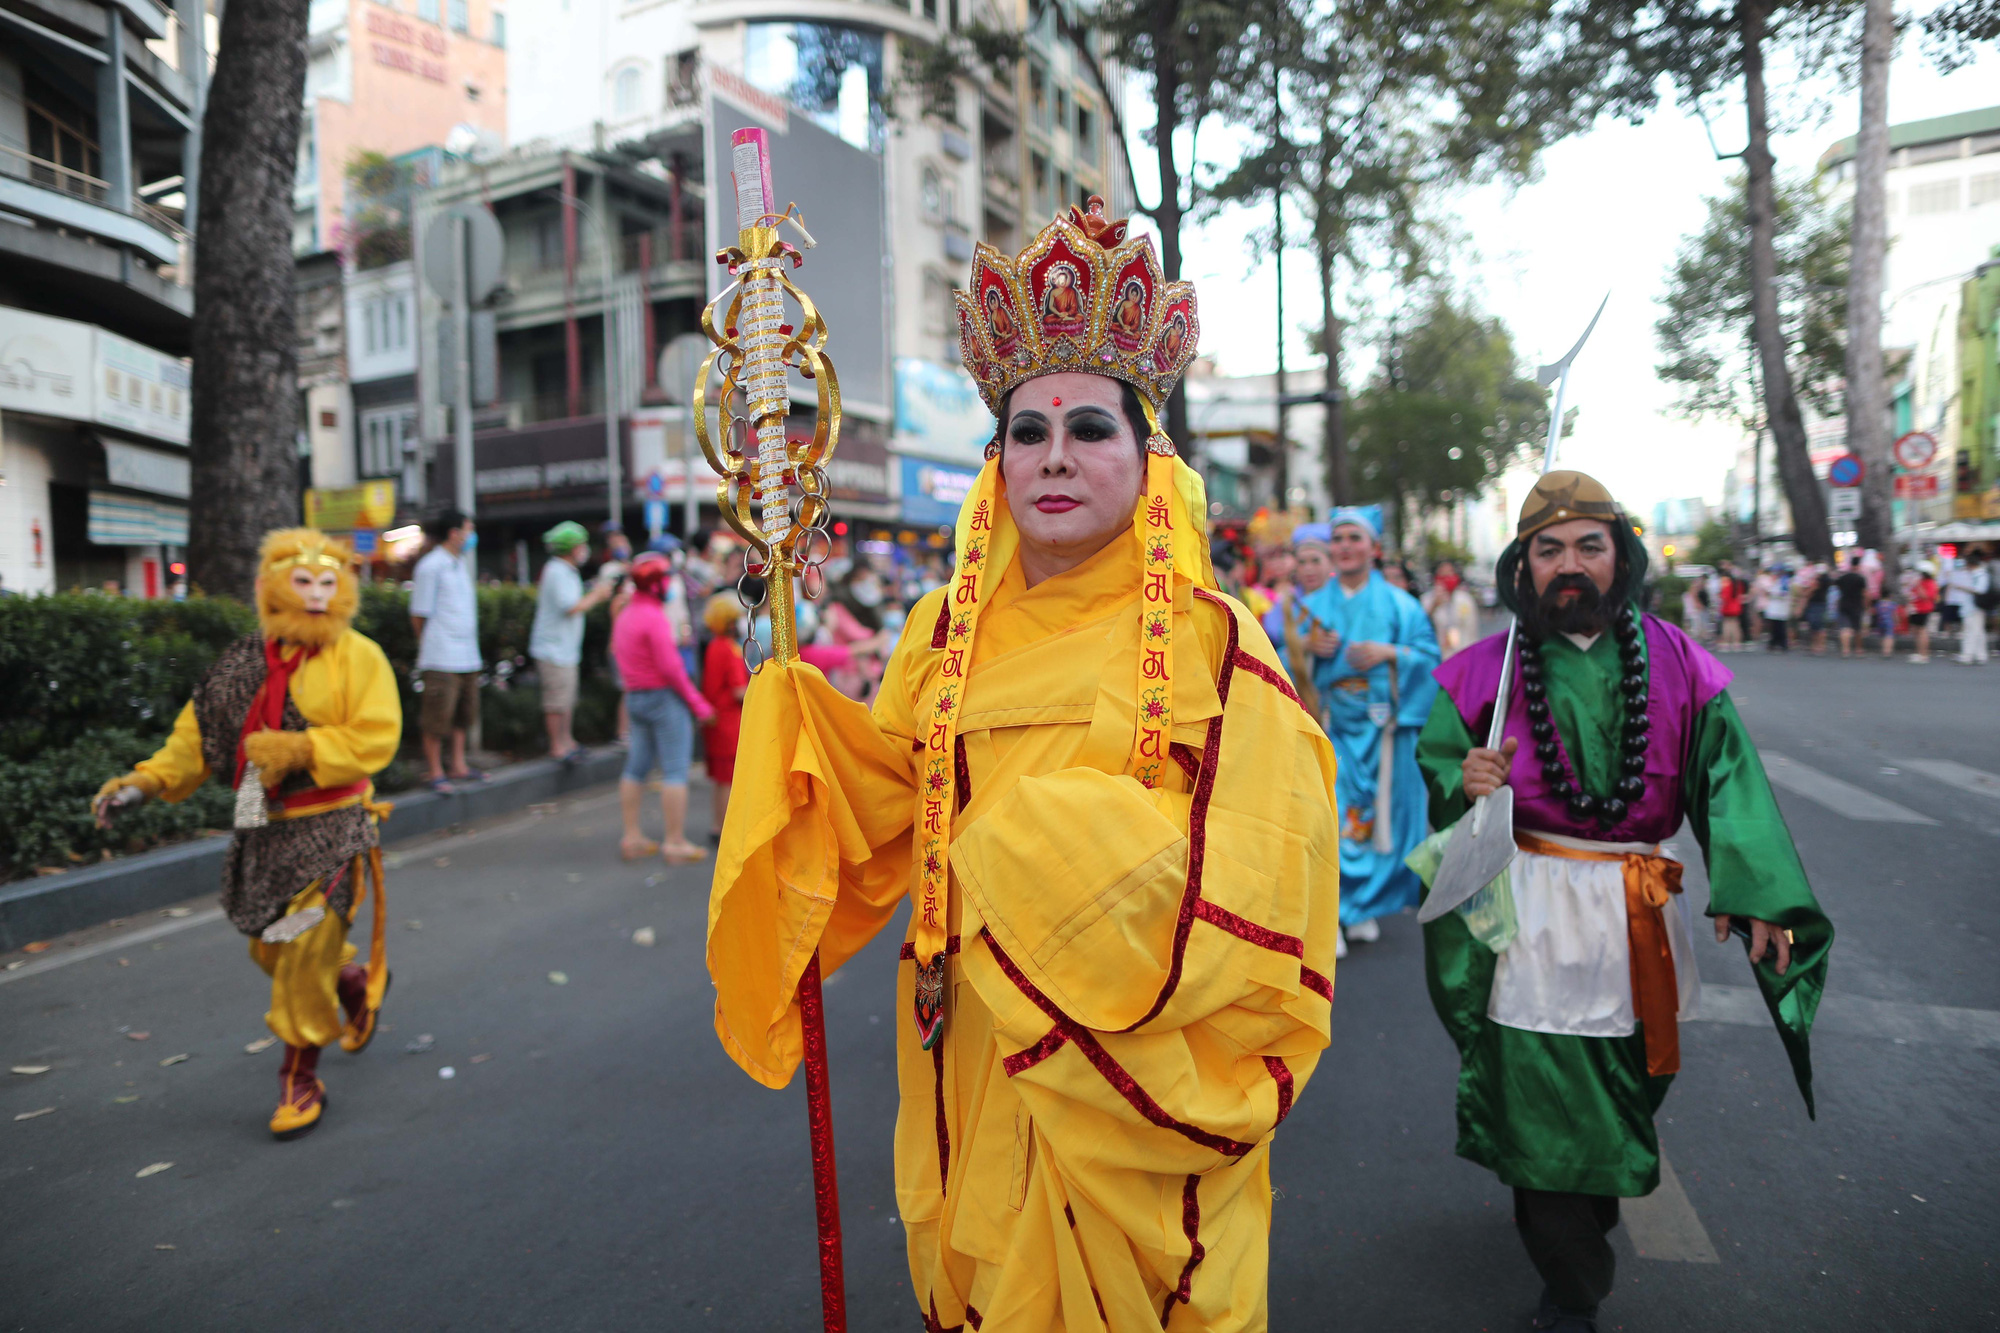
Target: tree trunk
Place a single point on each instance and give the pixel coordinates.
(1167, 34)
(245, 428)
(1867, 404)
(1781, 405)
(1333, 440)
(1281, 474)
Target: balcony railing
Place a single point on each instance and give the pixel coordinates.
(54, 175)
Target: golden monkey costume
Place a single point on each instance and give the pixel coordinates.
(312, 706)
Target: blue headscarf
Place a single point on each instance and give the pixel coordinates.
(1366, 517)
(1312, 534)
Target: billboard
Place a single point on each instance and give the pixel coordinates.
(839, 190)
(79, 372)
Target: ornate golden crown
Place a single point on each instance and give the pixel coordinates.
(1080, 298)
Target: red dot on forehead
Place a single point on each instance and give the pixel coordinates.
(1057, 403)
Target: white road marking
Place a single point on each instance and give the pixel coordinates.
(1975, 780)
(1664, 1226)
(516, 823)
(1843, 798)
(124, 941)
(1853, 1016)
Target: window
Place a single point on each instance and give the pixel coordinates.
(684, 78)
(383, 433)
(625, 92)
(62, 140)
(1936, 197)
(499, 28)
(1086, 133)
(461, 16)
(1985, 189)
(933, 195)
(1043, 183)
(1039, 105)
(940, 311)
(427, 10)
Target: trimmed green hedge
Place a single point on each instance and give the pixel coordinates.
(90, 685)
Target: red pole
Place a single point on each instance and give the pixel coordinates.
(826, 1183)
(646, 304)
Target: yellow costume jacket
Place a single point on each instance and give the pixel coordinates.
(343, 698)
(1139, 982)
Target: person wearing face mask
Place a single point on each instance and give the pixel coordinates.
(1566, 1010)
(1090, 774)
(1453, 610)
(1372, 665)
(853, 621)
(299, 717)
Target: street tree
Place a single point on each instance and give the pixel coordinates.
(1446, 412)
(1368, 111)
(1707, 337)
(1867, 396)
(243, 439)
(1703, 49)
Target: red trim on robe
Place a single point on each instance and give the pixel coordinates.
(1106, 1065)
(943, 1129)
(1269, 674)
(1052, 1041)
(1316, 982)
(1261, 936)
(1281, 1073)
(1191, 1228)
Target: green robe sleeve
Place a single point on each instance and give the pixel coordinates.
(1441, 749)
(1754, 871)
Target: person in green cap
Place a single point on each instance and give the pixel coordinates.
(556, 642)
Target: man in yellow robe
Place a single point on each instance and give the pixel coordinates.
(1115, 821)
(307, 709)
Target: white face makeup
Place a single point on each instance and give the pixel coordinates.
(1073, 469)
(1353, 549)
(315, 587)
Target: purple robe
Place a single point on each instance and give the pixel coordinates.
(1682, 678)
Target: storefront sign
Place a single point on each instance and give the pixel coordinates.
(932, 492)
(939, 413)
(132, 520)
(372, 504)
(141, 469)
(78, 372)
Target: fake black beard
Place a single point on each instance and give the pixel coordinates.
(1548, 614)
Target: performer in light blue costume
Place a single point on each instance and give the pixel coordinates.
(1377, 678)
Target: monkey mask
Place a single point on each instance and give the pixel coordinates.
(306, 589)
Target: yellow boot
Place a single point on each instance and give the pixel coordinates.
(301, 1095)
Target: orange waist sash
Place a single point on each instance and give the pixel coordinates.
(1649, 883)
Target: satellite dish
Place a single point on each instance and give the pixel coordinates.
(680, 362)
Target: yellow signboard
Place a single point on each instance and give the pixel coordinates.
(370, 505)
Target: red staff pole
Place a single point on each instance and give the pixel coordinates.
(826, 1182)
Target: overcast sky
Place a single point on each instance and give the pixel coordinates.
(1607, 214)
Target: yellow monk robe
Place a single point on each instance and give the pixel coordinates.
(347, 694)
(1139, 983)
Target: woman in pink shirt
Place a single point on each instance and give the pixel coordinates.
(663, 704)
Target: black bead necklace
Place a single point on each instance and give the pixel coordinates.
(1608, 810)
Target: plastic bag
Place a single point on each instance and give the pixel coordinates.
(1489, 913)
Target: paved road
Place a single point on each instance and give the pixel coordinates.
(595, 1163)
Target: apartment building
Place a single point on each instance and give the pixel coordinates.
(985, 154)
(1944, 221)
(99, 105)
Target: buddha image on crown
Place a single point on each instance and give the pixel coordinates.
(1096, 302)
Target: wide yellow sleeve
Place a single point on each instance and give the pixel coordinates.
(178, 765)
(815, 854)
(353, 714)
(1160, 965)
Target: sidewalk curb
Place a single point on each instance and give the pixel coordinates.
(41, 909)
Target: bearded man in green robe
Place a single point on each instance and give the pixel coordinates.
(1564, 983)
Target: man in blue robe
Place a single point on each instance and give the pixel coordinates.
(1375, 692)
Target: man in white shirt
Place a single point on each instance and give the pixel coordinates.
(444, 612)
(556, 641)
(1968, 584)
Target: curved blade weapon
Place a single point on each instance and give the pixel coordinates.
(1482, 843)
(773, 492)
